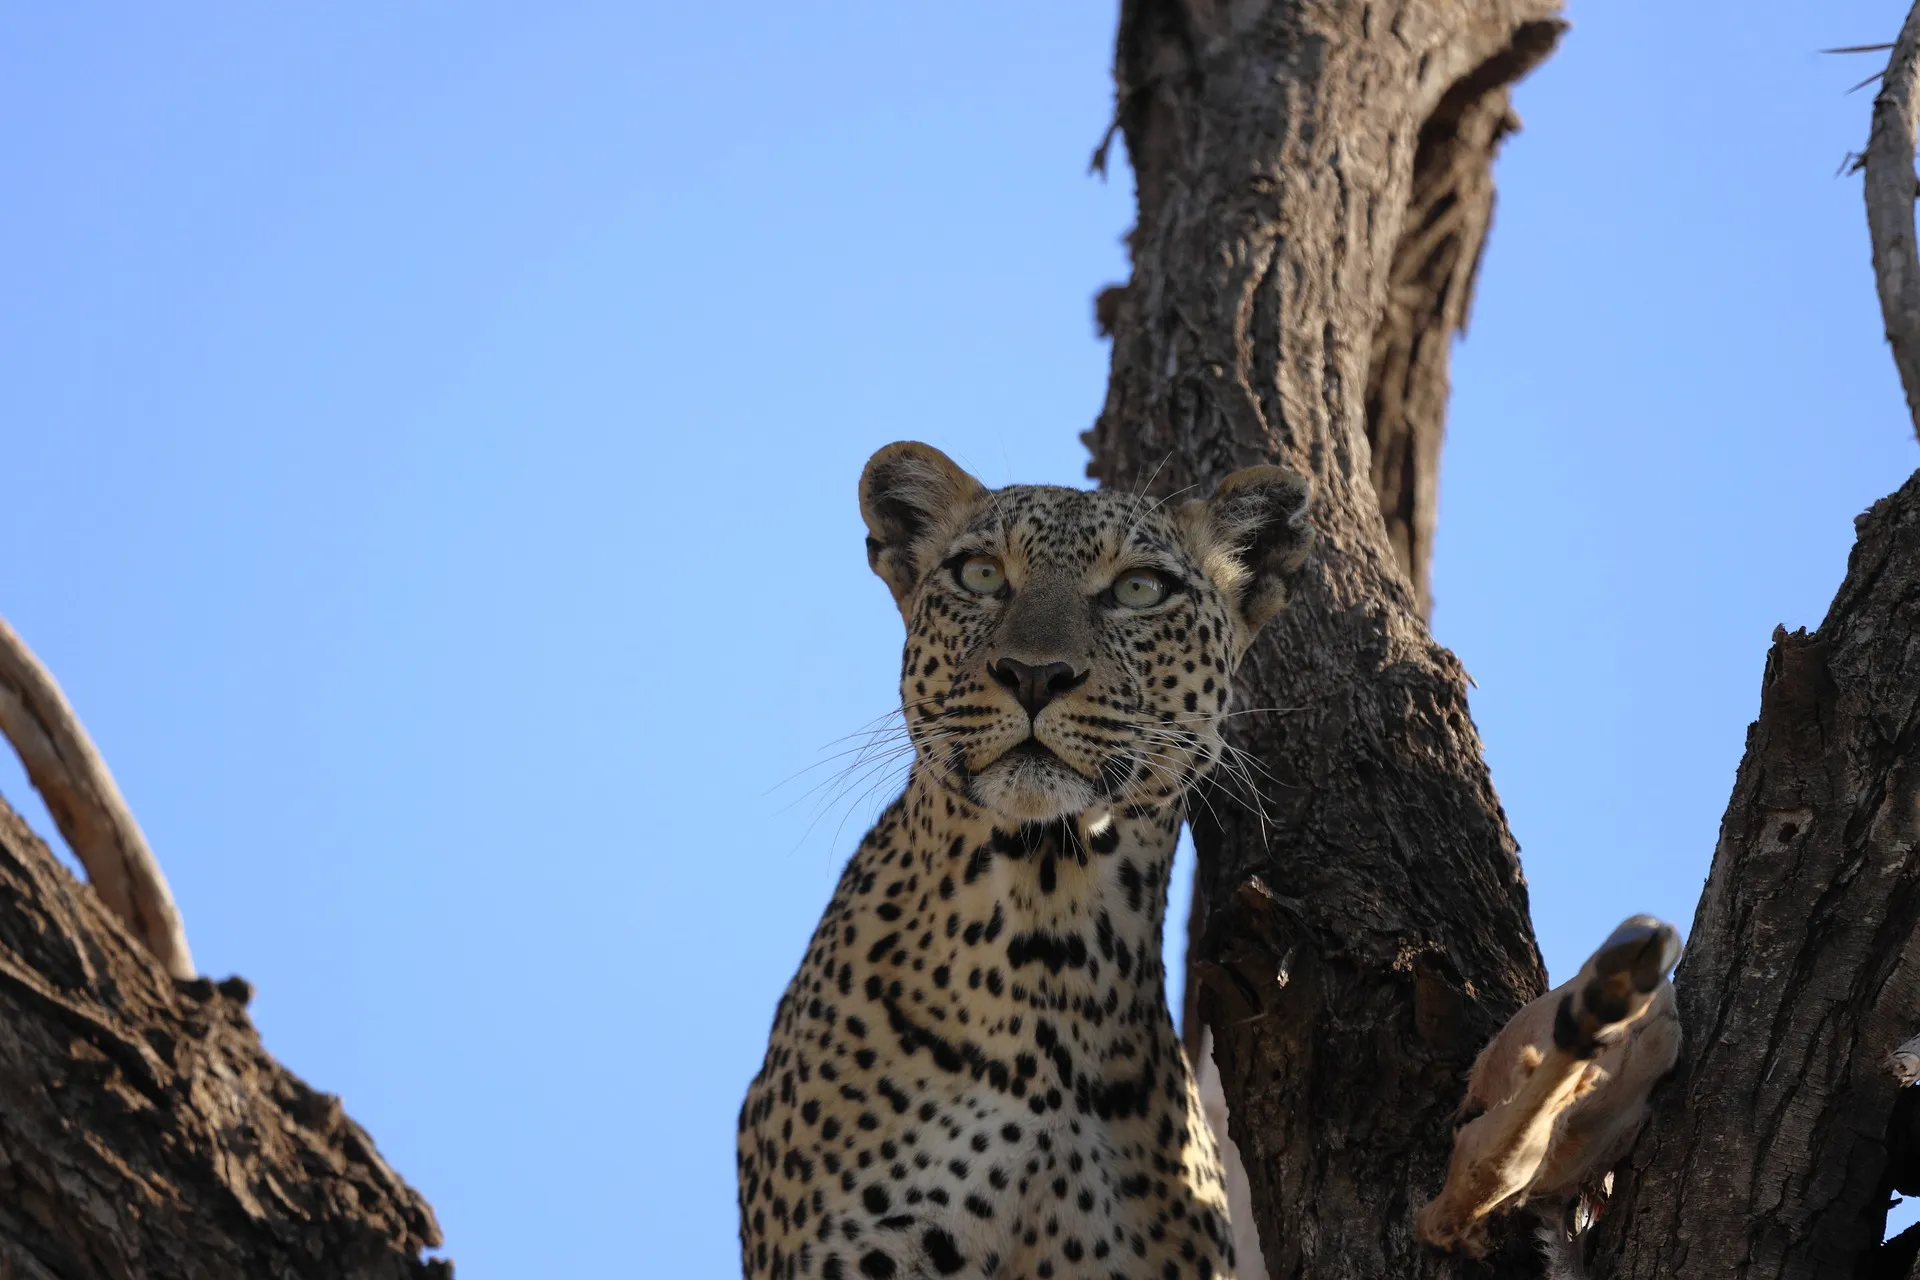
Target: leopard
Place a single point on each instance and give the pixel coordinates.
(974, 1070)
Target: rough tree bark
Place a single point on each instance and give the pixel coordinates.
(145, 1132)
(1294, 164)
(1314, 188)
(1768, 1155)
(1429, 291)
(1774, 1152)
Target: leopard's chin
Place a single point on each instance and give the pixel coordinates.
(1029, 783)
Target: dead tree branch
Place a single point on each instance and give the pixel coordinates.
(70, 776)
(1890, 189)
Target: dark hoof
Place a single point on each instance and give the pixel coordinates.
(1642, 950)
(1627, 969)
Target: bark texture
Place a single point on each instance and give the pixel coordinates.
(144, 1132)
(1768, 1157)
(1313, 192)
(1429, 291)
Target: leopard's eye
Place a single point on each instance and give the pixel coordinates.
(981, 575)
(1141, 588)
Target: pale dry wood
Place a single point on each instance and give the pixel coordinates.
(80, 793)
(1890, 188)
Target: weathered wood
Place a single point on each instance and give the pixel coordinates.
(80, 793)
(1313, 186)
(144, 1132)
(1890, 193)
(1768, 1157)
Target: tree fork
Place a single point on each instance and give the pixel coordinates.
(1313, 191)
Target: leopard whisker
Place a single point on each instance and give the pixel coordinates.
(1233, 765)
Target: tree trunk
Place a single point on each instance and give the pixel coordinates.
(145, 1132)
(1769, 1155)
(1313, 191)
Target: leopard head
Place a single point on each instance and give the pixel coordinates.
(1070, 651)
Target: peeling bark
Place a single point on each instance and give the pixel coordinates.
(145, 1132)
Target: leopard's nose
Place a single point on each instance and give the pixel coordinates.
(1034, 686)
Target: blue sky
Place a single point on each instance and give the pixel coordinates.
(430, 446)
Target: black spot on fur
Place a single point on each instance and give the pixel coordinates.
(1055, 952)
(941, 1251)
(1567, 1034)
(977, 864)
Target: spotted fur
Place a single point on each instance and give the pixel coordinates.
(974, 1071)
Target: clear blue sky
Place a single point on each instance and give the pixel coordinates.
(429, 455)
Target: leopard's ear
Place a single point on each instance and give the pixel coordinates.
(913, 498)
(1254, 536)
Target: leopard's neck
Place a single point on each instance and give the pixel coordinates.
(1064, 915)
